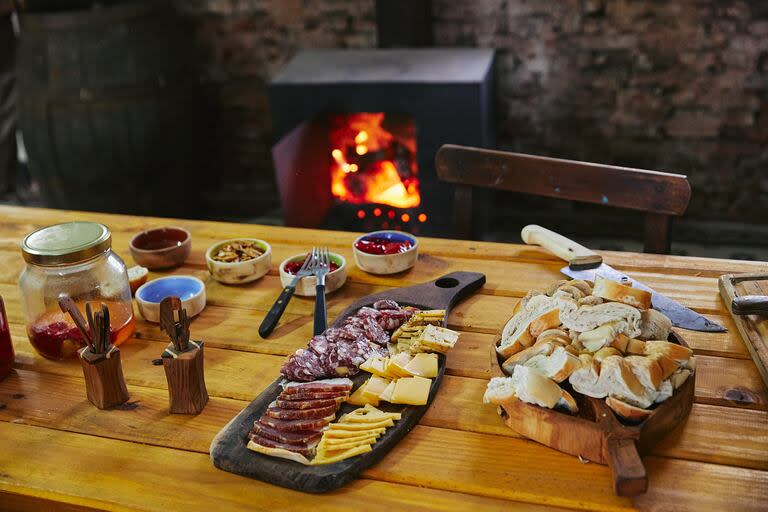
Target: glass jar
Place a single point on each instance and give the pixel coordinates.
(73, 259)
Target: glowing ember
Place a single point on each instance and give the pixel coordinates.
(371, 164)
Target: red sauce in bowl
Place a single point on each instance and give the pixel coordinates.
(376, 245)
(293, 267)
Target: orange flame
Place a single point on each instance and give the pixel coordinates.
(369, 179)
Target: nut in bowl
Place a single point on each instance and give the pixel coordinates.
(386, 252)
(239, 260)
(306, 287)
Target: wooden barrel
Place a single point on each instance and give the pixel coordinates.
(111, 109)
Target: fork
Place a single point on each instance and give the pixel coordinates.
(322, 267)
(278, 308)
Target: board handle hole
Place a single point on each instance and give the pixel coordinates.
(447, 282)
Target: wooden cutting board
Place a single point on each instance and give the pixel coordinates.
(595, 434)
(228, 448)
(752, 290)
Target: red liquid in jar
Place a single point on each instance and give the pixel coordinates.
(55, 336)
(293, 267)
(375, 245)
(6, 346)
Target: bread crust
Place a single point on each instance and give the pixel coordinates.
(627, 411)
(647, 370)
(677, 352)
(548, 320)
(614, 291)
(654, 325)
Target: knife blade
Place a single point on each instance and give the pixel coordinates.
(586, 264)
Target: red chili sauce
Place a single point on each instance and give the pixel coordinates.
(293, 267)
(376, 245)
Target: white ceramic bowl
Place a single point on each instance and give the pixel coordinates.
(240, 271)
(189, 289)
(306, 287)
(387, 263)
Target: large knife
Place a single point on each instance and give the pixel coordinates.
(586, 264)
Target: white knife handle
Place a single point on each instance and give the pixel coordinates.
(577, 256)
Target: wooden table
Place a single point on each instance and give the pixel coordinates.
(57, 449)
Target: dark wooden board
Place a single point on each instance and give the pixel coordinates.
(596, 434)
(228, 448)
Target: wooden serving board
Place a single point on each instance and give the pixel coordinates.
(752, 289)
(596, 434)
(228, 448)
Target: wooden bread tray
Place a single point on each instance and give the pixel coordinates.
(742, 292)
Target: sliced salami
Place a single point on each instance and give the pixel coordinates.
(385, 304)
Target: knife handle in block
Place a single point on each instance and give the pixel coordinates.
(750, 305)
(577, 256)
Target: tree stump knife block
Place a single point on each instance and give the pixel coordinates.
(182, 360)
(104, 381)
(186, 381)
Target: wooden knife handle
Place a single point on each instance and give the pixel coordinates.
(750, 305)
(629, 476)
(577, 256)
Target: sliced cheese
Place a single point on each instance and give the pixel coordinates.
(422, 365)
(368, 414)
(412, 391)
(386, 395)
(388, 422)
(338, 455)
(339, 444)
(374, 387)
(357, 397)
(397, 364)
(351, 434)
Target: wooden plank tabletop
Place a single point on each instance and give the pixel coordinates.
(59, 452)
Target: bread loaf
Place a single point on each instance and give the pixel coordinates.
(615, 291)
(626, 319)
(558, 365)
(654, 325)
(517, 332)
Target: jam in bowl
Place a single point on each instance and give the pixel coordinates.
(385, 252)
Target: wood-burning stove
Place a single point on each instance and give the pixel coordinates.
(358, 131)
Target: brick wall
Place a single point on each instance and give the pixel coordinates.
(669, 85)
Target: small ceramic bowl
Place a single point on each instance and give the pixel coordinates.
(189, 289)
(387, 263)
(240, 271)
(306, 287)
(161, 247)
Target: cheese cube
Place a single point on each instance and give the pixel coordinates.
(374, 387)
(439, 336)
(411, 391)
(422, 365)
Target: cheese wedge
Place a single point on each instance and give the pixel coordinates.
(352, 434)
(357, 397)
(339, 455)
(388, 422)
(374, 388)
(386, 395)
(422, 365)
(397, 364)
(412, 391)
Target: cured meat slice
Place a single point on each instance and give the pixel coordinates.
(307, 450)
(303, 366)
(295, 425)
(300, 414)
(321, 386)
(385, 304)
(297, 438)
(301, 397)
(391, 319)
(373, 332)
(308, 404)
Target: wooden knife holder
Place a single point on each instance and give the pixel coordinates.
(186, 381)
(104, 381)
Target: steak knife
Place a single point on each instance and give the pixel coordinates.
(586, 264)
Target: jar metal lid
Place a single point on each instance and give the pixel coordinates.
(67, 243)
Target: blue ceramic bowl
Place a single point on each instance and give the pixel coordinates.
(189, 289)
(387, 263)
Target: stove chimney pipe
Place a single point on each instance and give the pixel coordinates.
(404, 23)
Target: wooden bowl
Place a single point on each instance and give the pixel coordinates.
(596, 433)
(239, 272)
(387, 263)
(160, 248)
(306, 287)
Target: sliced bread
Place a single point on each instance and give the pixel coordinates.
(615, 291)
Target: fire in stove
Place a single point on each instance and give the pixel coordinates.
(373, 160)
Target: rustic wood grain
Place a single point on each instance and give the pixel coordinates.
(104, 381)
